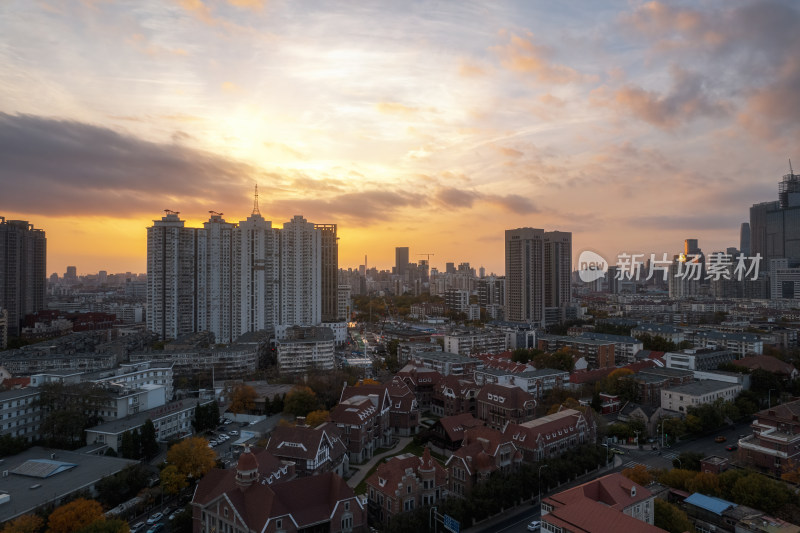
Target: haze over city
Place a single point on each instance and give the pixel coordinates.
(632, 125)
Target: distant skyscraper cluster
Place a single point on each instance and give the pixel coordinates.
(231, 279)
(23, 276)
(538, 275)
(775, 226)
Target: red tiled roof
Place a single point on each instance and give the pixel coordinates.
(455, 426)
(355, 410)
(548, 428)
(507, 396)
(765, 362)
(389, 475)
(594, 517)
(296, 442)
(613, 490)
(260, 502)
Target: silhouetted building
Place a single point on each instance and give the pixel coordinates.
(23, 265)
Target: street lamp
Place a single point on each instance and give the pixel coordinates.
(539, 482)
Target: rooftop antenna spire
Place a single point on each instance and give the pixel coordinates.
(791, 172)
(255, 202)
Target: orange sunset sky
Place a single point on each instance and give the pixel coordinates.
(433, 125)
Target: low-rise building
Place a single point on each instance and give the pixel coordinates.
(534, 382)
(447, 363)
(304, 349)
(498, 405)
(665, 331)
(172, 420)
(768, 363)
(597, 353)
(404, 483)
(551, 435)
(227, 362)
(313, 451)
(475, 342)
(698, 393)
(447, 433)
(20, 413)
(362, 416)
(251, 499)
(610, 504)
(422, 382)
(454, 395)
(483, 451)
(775, 439)
(698, 358)
(406, 351)
(625, 347)
(44, 477)
(740, 344)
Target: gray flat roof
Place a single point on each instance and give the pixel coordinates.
(116, 427)
(17, 393)
(447, 357)
(705, 386)
(24, 498)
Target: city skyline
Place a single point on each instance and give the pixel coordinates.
(634, 126)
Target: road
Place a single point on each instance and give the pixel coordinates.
(516, 520)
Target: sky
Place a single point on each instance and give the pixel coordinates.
(433, 125)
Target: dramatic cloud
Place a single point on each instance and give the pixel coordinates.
(64, 167)
(686, 101)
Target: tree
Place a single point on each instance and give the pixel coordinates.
(638, 474)
(172, 481)
(669, 517)
(705, 483)
(149, 443)
(74, 516)
(243, 399)
(688, 461)
(277, 404)
(27, 523)
(315, 418)
(791, 471)
(126, 447)
(760, 492)
(300, 401)
(677, 478)
(192, 457)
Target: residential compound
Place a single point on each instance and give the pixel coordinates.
(231, 279)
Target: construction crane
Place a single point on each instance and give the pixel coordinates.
(171, 212)
(428, 256)
(215, 213)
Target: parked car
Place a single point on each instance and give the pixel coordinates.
(213, 442)
(731, 447)
(157, 528)
(617, 451)
(154, 518)
(234, 432)
(720, 438)
(176, 513)
(138, 526)
(534, 526)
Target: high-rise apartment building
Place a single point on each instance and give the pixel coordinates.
(256, 280)
(558, 268)
(215, 298)
(401, 260)
(525, 275)
(171, 277)
(329, 286)
(300, 273)
(775, 226)
(538, 285)
(23, 265)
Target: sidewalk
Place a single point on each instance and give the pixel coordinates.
(363, 469)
